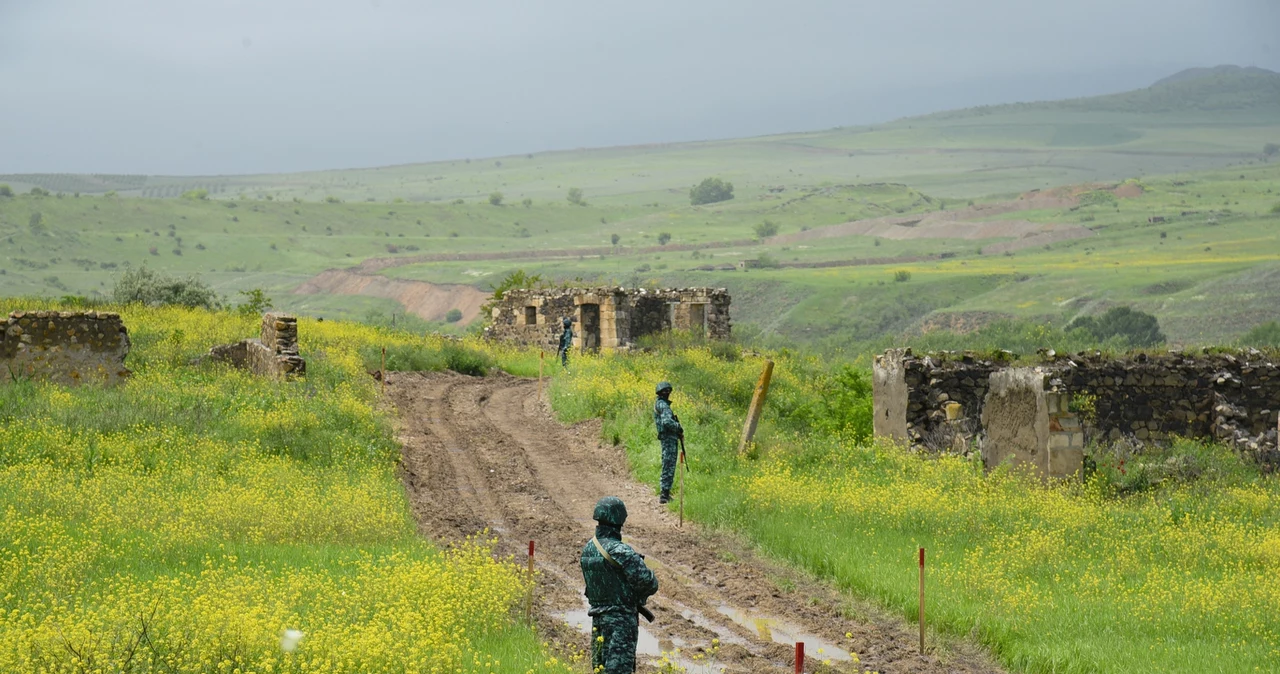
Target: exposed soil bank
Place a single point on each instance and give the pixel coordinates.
(430, 301)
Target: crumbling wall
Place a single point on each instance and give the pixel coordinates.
(889, 396)
(625, 315)
(1229, 397)
(1028, 422)
(274, 354)
(64, 347)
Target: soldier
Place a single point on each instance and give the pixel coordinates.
(670, 433)
(618, 584)
(566, 341)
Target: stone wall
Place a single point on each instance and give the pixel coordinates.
(1229, 397)
(607, 317)
(1028, 422)
(64, 347)
(275, 354)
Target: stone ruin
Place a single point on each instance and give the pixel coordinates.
(64, 347)
(954, 401)
(274, 355)
(608, 317)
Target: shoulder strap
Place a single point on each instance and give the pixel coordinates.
(605, 553)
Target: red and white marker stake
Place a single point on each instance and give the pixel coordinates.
(528, 607)
(799, 657)
(922, 601)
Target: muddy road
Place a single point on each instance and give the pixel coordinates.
(485, 453)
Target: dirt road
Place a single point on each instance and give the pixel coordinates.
(485, 453)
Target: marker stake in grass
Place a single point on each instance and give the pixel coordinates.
(528, 604)
(799, 657)
(383, 372)
(922, 601)
(542, 357)
(683, 467)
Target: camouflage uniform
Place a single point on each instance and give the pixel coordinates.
(615, 591)
(566, 342)
(669, 434)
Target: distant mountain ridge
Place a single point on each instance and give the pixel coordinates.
(1223, 88)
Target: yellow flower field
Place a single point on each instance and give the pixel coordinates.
(185, 521)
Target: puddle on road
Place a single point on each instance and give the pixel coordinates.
(770, 628)
(647, 645)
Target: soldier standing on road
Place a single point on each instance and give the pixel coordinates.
(670, 433)
(618, 584)
(566, 341)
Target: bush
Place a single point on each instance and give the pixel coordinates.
(36, 224)
(256, 302)
(1138, 328)
(495, 198)
(453, 316)
(710, 191)
(766, 229)
(5, 190)
(466, 361)
(575, 197)
(901, 276)
(1267, 334)
(39, 192)
(767, 261)
(332, 200)
(1098, 198)
(527, 202)
(663, 238)
(614, 239)
(141, 285)
(1276, 207)
(196, 195)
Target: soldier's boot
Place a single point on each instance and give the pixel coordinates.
(665, 497)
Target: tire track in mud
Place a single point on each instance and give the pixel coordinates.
(485, 453)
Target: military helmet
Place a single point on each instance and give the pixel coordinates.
(610, 510)
(567, 321)
(663, 386)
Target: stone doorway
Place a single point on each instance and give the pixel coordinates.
(698, 320)
(589, 320)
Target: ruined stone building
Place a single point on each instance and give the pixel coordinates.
(64, 347)
(608, 317)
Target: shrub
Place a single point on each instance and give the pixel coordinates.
(710, 191)
(256, 302)
(1098, 198)
(663, 238)
(36, 224)
(453, 316)
(332, 200)
(495, 198)
(766, 229)
(466, 361)
(902, 276)
(575, 197)
(5, 190)
(1276, 207)
(767, 261)
(141, 285)
(196, 195)
(614, 239)
(526, 202)
(1267, 334)
(1138, 328)
(39, 192)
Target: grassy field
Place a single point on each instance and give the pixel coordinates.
(1067, 577)
(184, 521)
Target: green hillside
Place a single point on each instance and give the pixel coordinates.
(1194, 143)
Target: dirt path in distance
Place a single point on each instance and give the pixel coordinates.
(485, 453)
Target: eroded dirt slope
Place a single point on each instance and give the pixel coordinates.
(485, 453)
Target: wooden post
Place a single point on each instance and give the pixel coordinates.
(757, 406)
(542, 357)
(681, 469)
(922, 601)
(799, 657)
(528, 604)
(384, 370)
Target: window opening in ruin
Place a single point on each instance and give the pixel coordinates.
(698, 320)
(589, 319)
(531, 315)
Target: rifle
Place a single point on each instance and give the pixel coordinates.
(683, 457)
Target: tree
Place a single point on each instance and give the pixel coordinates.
(615, 239)
(902, 276)
(663, 238)
(527, 202)
(711, 191)
(141, 285)
(766, 229)
(39, 192)
(196, 195)
(453, 316)
(1138, 328)
(5, 190)
(495, 198)
(36, 223)
(1270, 150)
(575, 196)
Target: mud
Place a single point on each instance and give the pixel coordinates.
(484, 453)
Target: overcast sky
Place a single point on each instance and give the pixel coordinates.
(240, 86)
